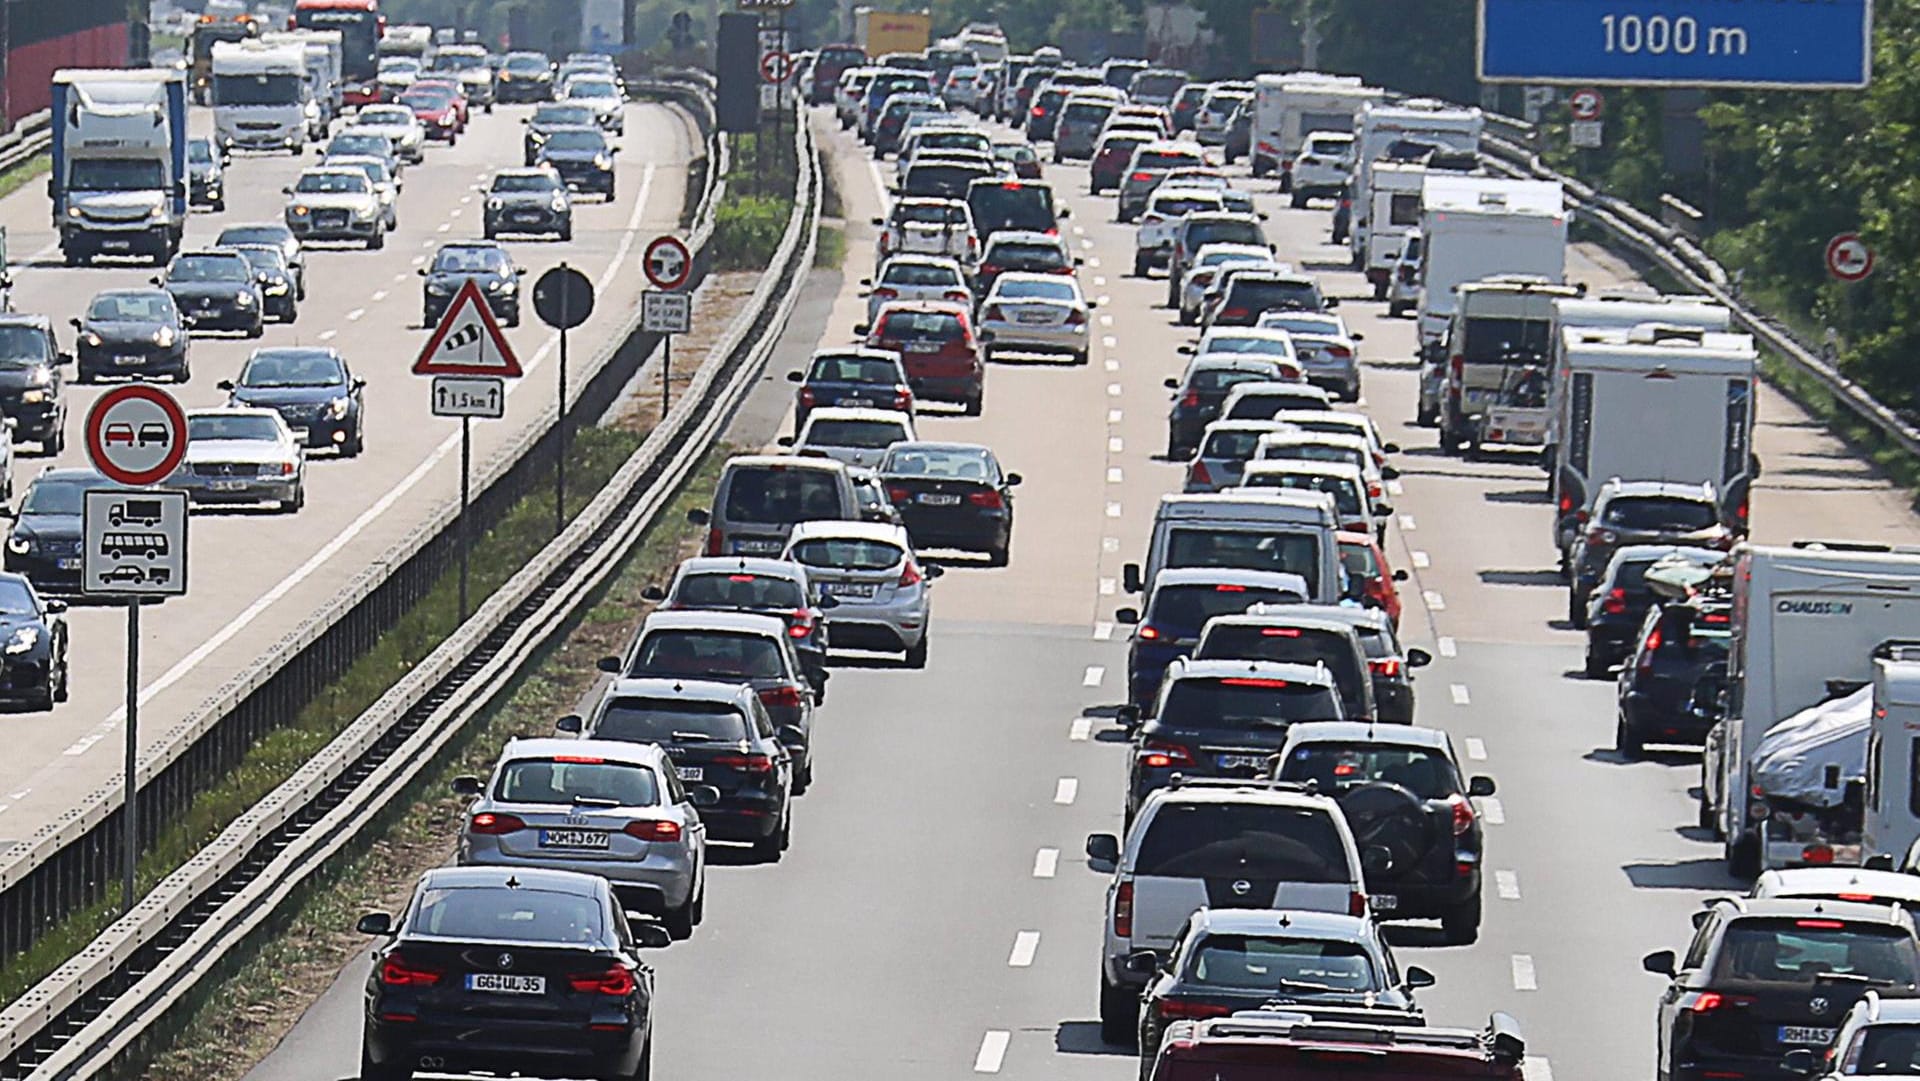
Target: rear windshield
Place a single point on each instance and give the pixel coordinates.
(1631, 575)
(1264, 406)
(1226, 840)
(738, 590)
(1247, 702)
(1489, 340)
(943, 178)
(577, 779)
(1346, 496)
(859, 434)
(1316, 452)
(1221, 380)
(501, 913)
(1248, 963)
(708, 654)
(1253, 549)
(1772, 950)
(1147, 84)
(664, 720)
(1181, 205)
(854, 370)
(1011, 206)
(781, 496)
(848, 554)
(1424, 771)
(921, 326)
(1294, 645)
(1404, 209)
(1659, 514)
(1233, 445)
(1027, 256)
(1272, 295)
(1167, 159)
(1249, 344)
(1188, 607)
(920, 274)
(1224, 232)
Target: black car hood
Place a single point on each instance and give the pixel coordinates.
(269, 397)
(12, 378)
(452, 280)
(48, 527)
(123, 330)
(569, 155)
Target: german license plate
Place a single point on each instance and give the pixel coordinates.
(67, 563)
(116, 245)
(1031, 317)
(750, 545)
(125, 360)
(938, 499)
(526, 215)
(574, 839)
(849, 589)
(1243, 761)
(1806, 1034)
(1383, 902)
(501, 983)
(857, 403)
(922, 347)
(226, 485)
(690, 773)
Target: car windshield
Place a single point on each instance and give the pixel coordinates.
(1659, 514)
(855, 370)
(1246, 702)
(576, 140)
(58, 496)
(16, 599)
(554, 115)
(1184, 609)
(1488, 340)
(97, 174)
(777, 495)
(1029, 289)
(534, 182)
(465, 259)
(1287, 645)
(1231, 445)
(1261, 963)
(1263, 405)
(257, 89)
(1346, 495)
(724, 655)
(577, 779)
(899, 273)
(1423, 771)
(23, 347)
(446, 60)
(1243, 840)
(209, 268)
(500, 914)
(1253, 549)
(1786, 950)
(154, 307)
(591, 88)
(848, 554)
(1218, 258)
(739, 589)
(634, 719)
(1166, 159)
(333, 183)
(427, 97)
(293, 368)
(1181, 205)
(952, 463)
(1217, 381)
(1256, 345)
(1026, 256)
(858, 434)
(242, 426)
(1150, 84)
(199, 151)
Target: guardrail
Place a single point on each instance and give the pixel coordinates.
(31, 137)
(73, 862)
(1510, 145)
(95, 1011)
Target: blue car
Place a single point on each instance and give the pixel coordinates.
(856, 378)
(1181, 602)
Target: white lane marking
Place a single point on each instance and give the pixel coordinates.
(1098, 280)
(80, 745)
(427, 243)
(1113, 416)
(1109, 544)
(1507, 883)
(1103, 628)
(1094, 261)
(1093, 675)
(328, 335)
(1422, 560)
(1086, 243)
(1103, 300)
(1106, 320)
(1447, 647)
(1046, 862)
(1476, 748)
(418, 260)
(1394, 487)
(1079, 230)
(1080, 729)
(1407, 523)
(1523, 977)
(1114, 476)
(1025, 945)
(1110, 342)
(1537, 1067)
(354, 315)
(1065, 790)
(443, 227)
(1459, 692)
(993, 1051)
(1115, 444)
(1107, 588)
(379, 295)
(402, 276)
(1113, 390)
(1492, 810)
(1111, 364)
(1113, 510)
(1435, 601)
(20, 795)
(465, 199)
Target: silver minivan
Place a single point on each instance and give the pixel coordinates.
(761, 496)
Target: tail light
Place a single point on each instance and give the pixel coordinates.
(1703, 1001)
(397, 971)
(1340, 351)
(902, 397)
(1598, 535)
(886, 240)
(806, 397)
(1740, 512)
(898, 495)
(1457, 366)
(616, 980)
(885, 293)
(959, 295)
(1147, 633)
(784, 697)
(1385, 666)
(1038, 111)
(1198, 473)
(1616, 602)
(1067, 269)
(1141, 178)
(992, 312)
(713, 542)
(1462, 813)
(746, 763)
(989, 269)
(1647, 651)
(1356, 903)
(1176, 1009)
(1234, 313)
(1191, 400)
(990, 499)
(647, 829)
(1566, 504)
(1123, 910)
(802, 624)
(910, 574)
(493, 825)
(1076, 317)
(1155, 754)
(1346, 204)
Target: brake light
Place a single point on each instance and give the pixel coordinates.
(616, 980)
(802, 624)
(1740, 511)
(1867, 898)
(1820, 925)
(989, 499)
(1458, 366)
(992, 312)
(397, 971)
(713, 542)
(1147, 632)
(1616, 602)
(1566, 503)
(1251, 681)
(1157, 755)
(787, 696)
(1462, 813)
(1707, 1002)
(1141, 177)
(898, 495)
(1198, 473)
(1225, 587)
(647, 829)
(1234, 313)
(1385, 666)
(806, 397)
(493, 825)
(956, 294)
(1340, 351)
(910, 574)
(1038, 111)
(1279, 632)
(1174, 1009)
(902, 398)
(580, 759)
(750, 763)
(1123, 910)
(1356, 903)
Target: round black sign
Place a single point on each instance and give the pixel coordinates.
(564, 297)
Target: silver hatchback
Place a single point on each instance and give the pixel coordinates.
(882, 593)
(597, 807)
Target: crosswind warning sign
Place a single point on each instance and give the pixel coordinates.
(468, 340)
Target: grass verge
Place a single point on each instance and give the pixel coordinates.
(830, 249)
(25, 173)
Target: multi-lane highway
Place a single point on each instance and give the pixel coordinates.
(255, 576)
(936, 918)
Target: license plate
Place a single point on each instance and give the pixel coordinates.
(1805, 1034)
(526, 215)
(690, 773)
(226, 485)
(756, 546)
(67, 563)
(938, 499)
(1032, 317)
(501, 983)
(128, 361)
(574, 839)
(1383, 902)
(116, 245)
(1243, 761)
(849, 589)
(922, 347)
(857, 403)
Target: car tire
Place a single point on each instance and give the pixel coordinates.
(974, 406)
(1628, 742)
(1597, 665)
(378, 240)
(56, 441)
(83, 377)
(679, 921)
(392, 1071)
(1297, 200)
(62, 689)
(1576, 612)
(1187, 318)
(185, 374)
(916, 655)
(1461, 923)
(1424, 417)
(1743, 856)
(643, 1070)
(566, 235)
(1380, 290)
(299, 500)
(1141, 264)
(1000, 554)
(293, 312)
(768, 849)
(1119, 1013)
(1703, 815)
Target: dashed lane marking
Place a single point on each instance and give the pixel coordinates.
(1476, 748)
(1523, 976)
(993, 1051)
(1046, 862)
(1113, 510)
(1065, 790)
(1107, 587)
(1394, 487)
(1113, 416)
(1080, 729)
(1435, 602)
(1109, 544)
(328, 335)
(1115, 444)
(1460, 696)
(1447, 647)
(80, 745)
(1114, 476)
(1507, 884)
(1492, 810)
(1113, 390)
(1099, 281)
(418, 260)
(443, 227)
(354, 315)
(1103, 630)
(1106, 320)
(1093, 675)
(1111, 364)
(1407, 523)
(1025, 945)
(1537, 1067)
(379, 295)
(1422, 560)
(1094, 262)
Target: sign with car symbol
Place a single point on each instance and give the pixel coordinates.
(136, 434)
(135, 543)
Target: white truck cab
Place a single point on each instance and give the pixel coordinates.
(261, 96)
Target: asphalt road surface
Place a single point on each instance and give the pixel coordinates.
(936, 919)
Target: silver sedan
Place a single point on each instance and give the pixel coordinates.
(242, 454)
(1036, 313)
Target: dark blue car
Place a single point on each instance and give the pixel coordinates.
(1182, 601)
(854, 377)
(1620, 600)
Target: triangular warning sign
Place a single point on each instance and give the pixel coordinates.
(468, 340)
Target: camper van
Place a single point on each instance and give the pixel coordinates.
(1268, 531)
(1404, 132)
(1891, 825)
(1287, 108)
(1493, 374)
(1472, 227)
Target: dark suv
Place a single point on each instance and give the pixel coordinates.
(1665, 676)
(31, 380)
(1639, 512)
(1184, 602)
(1620, 599)
(1197, 395)
(1296, 638)
(1765, 977)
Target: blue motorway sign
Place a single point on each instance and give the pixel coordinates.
(1805, 44)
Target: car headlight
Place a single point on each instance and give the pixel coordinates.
(73, 212)
(496, 285)
(602, 162)
(298, 211)
(163, 337)
(42, 377)
(92, 339)
(439, 289)
(33, 397)
(367, 211)
(559, 203)
(338, 407)
(22, 640)
(276, 289)
(243, 300)
(495, 204)
(19, 545)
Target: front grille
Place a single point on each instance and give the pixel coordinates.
(330, 219)
(225, 469)
(60, 547)
(258, 125)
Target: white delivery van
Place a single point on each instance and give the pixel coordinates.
(1473, 227)
(1286, 108)
(1651, 402)
(1267, 531)
(1401, 131)
(1892, 799)
(1807, 621)
(1624, 308)
(1493, 369)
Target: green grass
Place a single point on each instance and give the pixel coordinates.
(25, 173)
(596, 454)
(830, 249)
(292, 957)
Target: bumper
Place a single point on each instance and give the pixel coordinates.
(1347, 379)
(48, 573)
(655, 885)
(206, 194)
(127, 359)
(1393, 705)
(116, 241)
(977, 532)
(218, 490)
(946, 388)
(1689, 1065)
(222, 318)
(33, 421)
(1062, 338)
(507, 308)
(545, 1048)
(514, 220)
(25, 677)
(1658, 721)
(876, 628)
(740, 818)
(351, 229)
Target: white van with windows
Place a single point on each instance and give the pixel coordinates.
(1266, 531)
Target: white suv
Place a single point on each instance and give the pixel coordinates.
(1214, 844)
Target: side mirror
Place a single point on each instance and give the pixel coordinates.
(422, 272)
(934, 570)
(1418, 658)
(796, 377)
(1128, 715)
(880, 222)
(1014, 479)
(359, 384)
(286, 191)
(225, 384)
(648, 933)
(1103, 848)
(519, 271)
(1330, 302)
(1376, 860)
(1383, 508)
(654, 594)
(375, 923)
(75, 324)
(1171, 383)
(1659, 962)
(1388, 472)
(862, 329)
(1264, 216)
(609, 664)
(1077, 261)
(1479, 785)
(1356, 336)
(466, 786)
(1418, 977)
(155, 280)
(1390, 448)
(56, 607)
(868, 282)
(784, 441)
(1800, 1060)
(1130, 578)
(1092, 304)
(697, 516)
(1128, 616)
(570, 723)
(986, 336)
(1143, 963)
(1185, 351)
(1400, 575)
(703, 795)
(1066, 212)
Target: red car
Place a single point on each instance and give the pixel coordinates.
(937, 346)
(1111, 159)
(1370, 580)
(440, 107)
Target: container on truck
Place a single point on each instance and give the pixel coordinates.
(260, 96)
(1473, 227)
(1651, 402)
(1403, 131)
(1288, 108)
(883, 32)
(1290, 531)
(119, 170)
(1494, 379)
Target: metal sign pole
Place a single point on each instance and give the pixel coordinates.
(130, 809)
(466, 467)
(666, 374)
(560, 418)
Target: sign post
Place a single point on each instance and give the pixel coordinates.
(468, 342)
(668, 264)
(134, 546)
(563, 297)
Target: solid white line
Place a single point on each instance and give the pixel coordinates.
(1508, 885)
(1476, 748)
(1435, 601)
(1113, 390)
(1113, 416)
(1493, 811)
(1108, 586)
(1025, 945)
(993, 1050)
(1080, 729)
(1459, 692)
(1093, 675)
(1536, 1068)
(1066, 790)
(1422, 560)
(354, 315)
(1113, 510)
(1045, 862)
(1115, 444)
(1447, 647)
(1523, 978)
(1407, 523)
(1103, 629)
(1114, 476)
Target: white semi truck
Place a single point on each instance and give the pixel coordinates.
(261, 96)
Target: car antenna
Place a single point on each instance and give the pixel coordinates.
(513, 882)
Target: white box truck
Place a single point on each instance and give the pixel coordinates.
(1474, 227)
(1286, 108)
(1807, 622)
(119, 171)
(1403, 131)
(260, 96)
(1651, 402)
(1892, 799)
(1393, 209)
(324, 86)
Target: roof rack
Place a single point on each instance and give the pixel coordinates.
(1500, 1039)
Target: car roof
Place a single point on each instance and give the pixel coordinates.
(783, 461)
(845, 412)
(1233, 576)
(707, 619)
(1800, 907)
(1192, 191)
(762, 566)
(697, 690)
(1278, 389)
(537, 878)
(1018, 276)
(1240, 424)
(1357, 616)
(1222, 247)
(1210, 216)
(1225, 668)
(1403, 735)
(531, 170)
(877, 531)
(1307, 466)
(1269, 619)
(617, 750)
(1292, 922)
(1836, 881)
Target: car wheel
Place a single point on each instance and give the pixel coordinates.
(1461, 923)
(1141, 264)
(917, 653)
(1743, 856)
(57, 440)
(1576, 612)
(1424, 417)
(1119, 1013)
(769, 848)
(352, 447)
(1596, 665)
(566, 234)
(487, 232)
(679, 921)
(184, 374)
(378, 240)
(392, 1071)
(1703, 815)
(292, 506)
(1297, 201)
(1628, 742)
(974, 406)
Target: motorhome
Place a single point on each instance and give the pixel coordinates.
(1493, 371)
(119, 169)
(1405, 131)
(324, 87)
(1287, 108)
(1272, 531)
(1394, 209)
(1891, 824)
(261, 96)
(1472, 227)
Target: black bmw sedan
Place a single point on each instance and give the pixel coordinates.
(132, 332)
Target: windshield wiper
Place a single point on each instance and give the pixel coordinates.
(695, 737)
(1305, 985)
(593, 801)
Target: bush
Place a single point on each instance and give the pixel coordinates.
(747, 230)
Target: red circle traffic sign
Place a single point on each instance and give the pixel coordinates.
(667, 263)
(136, 435)
(1586, 103)
(776, 66)
(1848, 257)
